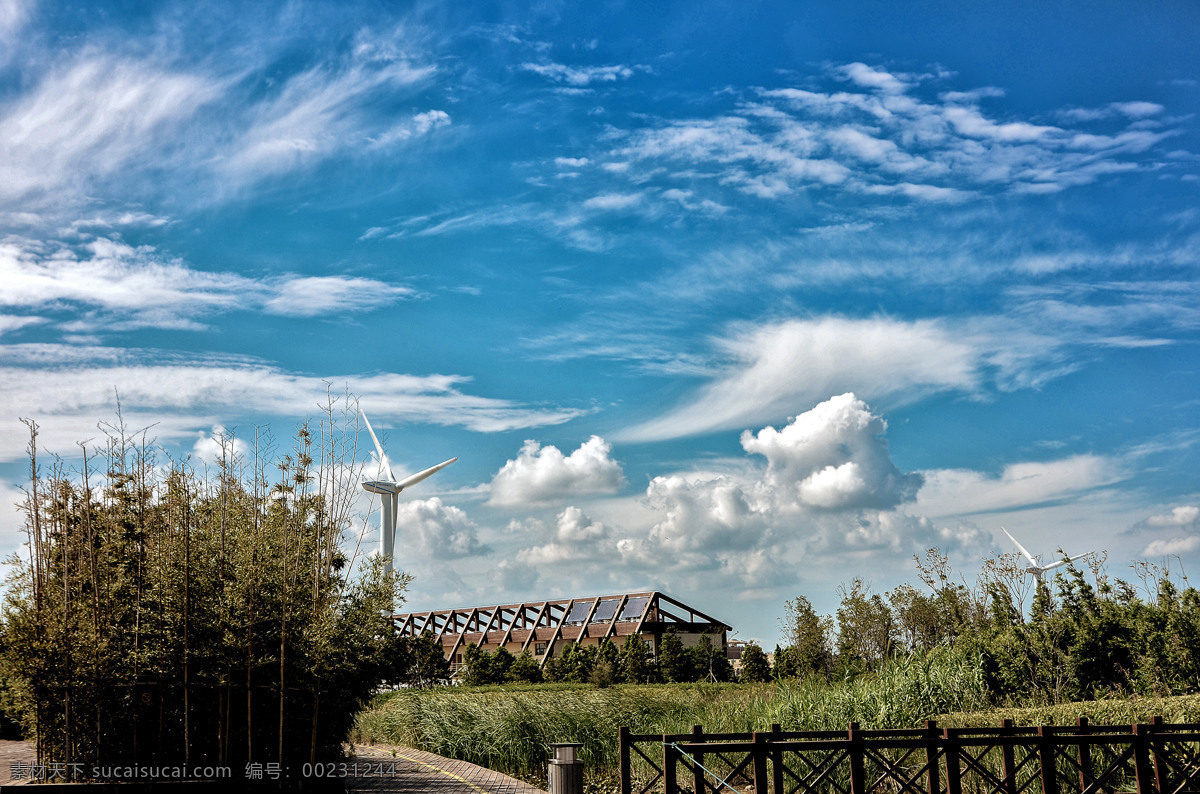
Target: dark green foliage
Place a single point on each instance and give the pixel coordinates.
(634, 663)
(161, 615)
(675, 664)
(525, 669)
(429, 666)
(1082, 639)
(709, 662)
(808, 651)
(756, 669)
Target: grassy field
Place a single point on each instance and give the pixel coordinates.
(508, 728)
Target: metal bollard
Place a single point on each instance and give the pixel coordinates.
(566, 770)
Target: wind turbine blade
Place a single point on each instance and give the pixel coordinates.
(1028, 556)
(383, 461)
(1054, 565)
(416, 478)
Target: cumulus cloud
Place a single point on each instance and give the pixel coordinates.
(833, 457)
(577, 537)
(540, 476)
(218, 445)
(430, 529)
(1172, 546)
(1183, 516)
(828, 485)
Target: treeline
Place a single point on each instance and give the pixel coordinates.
(1080, 638)
(168, 616)
(603, 664)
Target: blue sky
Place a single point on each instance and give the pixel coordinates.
(734, 300)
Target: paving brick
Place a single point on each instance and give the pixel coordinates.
(404, 770)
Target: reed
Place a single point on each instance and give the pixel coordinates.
(508, 729)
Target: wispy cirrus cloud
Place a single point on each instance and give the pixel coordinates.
(74, 388)
(881, 133)
(580, 76)
(105, 283)
(104, 124)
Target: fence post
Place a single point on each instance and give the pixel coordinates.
(1141, 759)
(669, 754)
(931, 757)
(626, 767)
(776, 761)
(857, 772)
(1085, 754)
(698, 761)
(759, 749)
(1047, 761)
(1160, 767)
(1010, 763)
(953, 762)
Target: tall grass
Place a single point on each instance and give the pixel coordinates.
(509, 729)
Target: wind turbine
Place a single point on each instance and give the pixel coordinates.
(1035, 563)
(389, 492)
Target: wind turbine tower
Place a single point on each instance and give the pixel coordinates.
(388, 488)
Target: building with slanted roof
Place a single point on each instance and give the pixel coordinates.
(545, 627)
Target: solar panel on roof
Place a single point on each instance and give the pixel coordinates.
(634, 608)
(579, 612)
(606, 610)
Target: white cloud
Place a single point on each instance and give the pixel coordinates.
(427, 528)
(959, 492)
(540, 476)
(68, 389)
(1171, 547)
(210, 448)
(419, 125)
(1183, 516)
(833, 457)
(316, 295)
(884, 137)
(141, 287)
(577, 538)
(797, 362)
(93, 118)
(579, 76)
(613, 201)
(319, 113)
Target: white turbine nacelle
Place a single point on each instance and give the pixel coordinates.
(1035, 566)
(389, 488)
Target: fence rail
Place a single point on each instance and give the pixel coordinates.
(1154, 758)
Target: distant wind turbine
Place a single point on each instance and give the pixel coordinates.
(389, 490)
(1035, 566)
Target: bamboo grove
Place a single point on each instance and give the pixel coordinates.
(162, 614)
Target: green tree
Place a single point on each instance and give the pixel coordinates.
(808, 636)
(525, 669)
(634, 663)
(212, 618)
(866, 629)
(756, 669)
(674, 662)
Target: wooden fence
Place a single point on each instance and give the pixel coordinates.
(1154, 758)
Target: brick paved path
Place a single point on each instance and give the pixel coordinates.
(404, 770)
(14, 751)
(417, 770)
